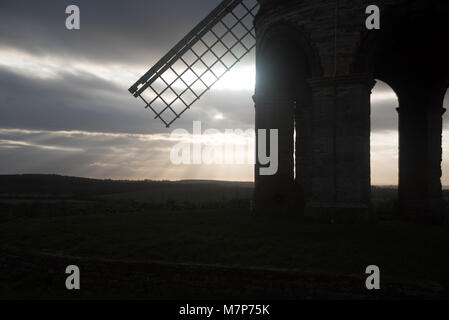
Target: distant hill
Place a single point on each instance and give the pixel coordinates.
(56, 186)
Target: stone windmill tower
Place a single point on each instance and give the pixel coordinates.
(316, 66)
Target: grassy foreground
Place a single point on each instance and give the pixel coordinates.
(231, 236)
(129, 223)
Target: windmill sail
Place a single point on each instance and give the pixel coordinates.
(199, 60)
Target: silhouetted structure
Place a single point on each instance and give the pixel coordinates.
(316, 66)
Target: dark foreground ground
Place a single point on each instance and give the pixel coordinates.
(198, 240)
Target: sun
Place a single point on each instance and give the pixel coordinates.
(241, 78)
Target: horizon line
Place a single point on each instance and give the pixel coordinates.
(163, 180)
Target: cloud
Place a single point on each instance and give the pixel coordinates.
(104, 155)
(79, 98)
(140, 30)
(64, 104)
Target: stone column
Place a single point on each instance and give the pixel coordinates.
(340, 185)
(435, 153)
(420, 153)
(273, 193)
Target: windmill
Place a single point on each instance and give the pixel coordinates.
(198, 61)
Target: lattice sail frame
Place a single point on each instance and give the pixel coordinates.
(199, 60)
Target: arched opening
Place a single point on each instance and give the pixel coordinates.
(281, 81)
(384, 136)
(283, 103)
(415, 64)
(384, 142)
(445, 158)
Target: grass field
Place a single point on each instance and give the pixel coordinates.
(233, 236)
(127, 226)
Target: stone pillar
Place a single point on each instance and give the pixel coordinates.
(435, 153)
(420, 153)
(340, 168)
(273, 193)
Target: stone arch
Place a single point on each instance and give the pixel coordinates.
(409, 55)
(285, 61)
(295, 60)
(296, 41)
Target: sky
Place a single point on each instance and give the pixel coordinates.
(65, 106)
